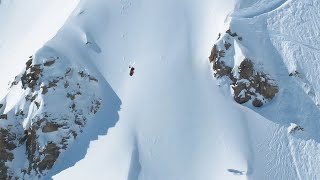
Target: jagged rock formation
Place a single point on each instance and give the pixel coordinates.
(54, 99)
(247, 83)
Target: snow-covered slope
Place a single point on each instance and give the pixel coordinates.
(25, 27)
(178, 119)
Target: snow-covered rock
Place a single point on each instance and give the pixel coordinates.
(54, 98)
(248, 84)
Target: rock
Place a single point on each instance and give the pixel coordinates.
(218, 66)
(42, 140)
(72, 96)
(295, 73)
(52, 84)
(246, 69)
(219, 36)
(264, 86)
(66, 84)
(19, 113)
(68, 72)
(83, 74)
(31, 143)
(3, 116)
(227, 45)
(214, 54)
(4, 171)
(257, 102)
(91, 78)
(231, 34)
(44, 89)
(49, 62)
(95, 106)
(6, 145)
(51, 154)
(221, 69)
(293, 128)
(37, 104)
(34, 97)
(30, 78)
(50, 127)
(241, 94)
(249, 84)
(28, 63)
(15, 82)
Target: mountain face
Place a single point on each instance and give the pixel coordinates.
(219, 90)
(34, 133)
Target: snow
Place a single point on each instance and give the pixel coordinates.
(25, 27)
(171, 120)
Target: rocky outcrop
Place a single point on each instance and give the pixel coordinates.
(293, 128)
(247, 83)
(7, 144)
(58, 101)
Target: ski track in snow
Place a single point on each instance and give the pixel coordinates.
(283, 37)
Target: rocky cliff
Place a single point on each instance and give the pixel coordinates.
(47, 107)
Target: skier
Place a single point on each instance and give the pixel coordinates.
(131, 70)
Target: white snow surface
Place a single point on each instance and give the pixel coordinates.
(175, 122)
(25, 27)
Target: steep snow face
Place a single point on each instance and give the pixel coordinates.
(175, 122)
(25, 27)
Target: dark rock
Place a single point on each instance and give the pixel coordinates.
(231, 34)
(34, 97)
(6, 145)
(44, 89)
(295, 73)
(257, 102)
(20, 113)
(66, 84)
(49, 62)
(95, 106)
(72, 96)
(296, 128)
(50, 127)
(221, 69)
(3, 116)
(238, 89)
(214, 54)
(265, 86)
(37, 104)
(91, 78)
(68, 72)
(227, 45)
(246, 69)
(51, 154)
(219, 36)
(52, 84)
(83, 74)
(28, 63)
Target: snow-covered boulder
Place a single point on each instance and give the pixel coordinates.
(248, 84)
